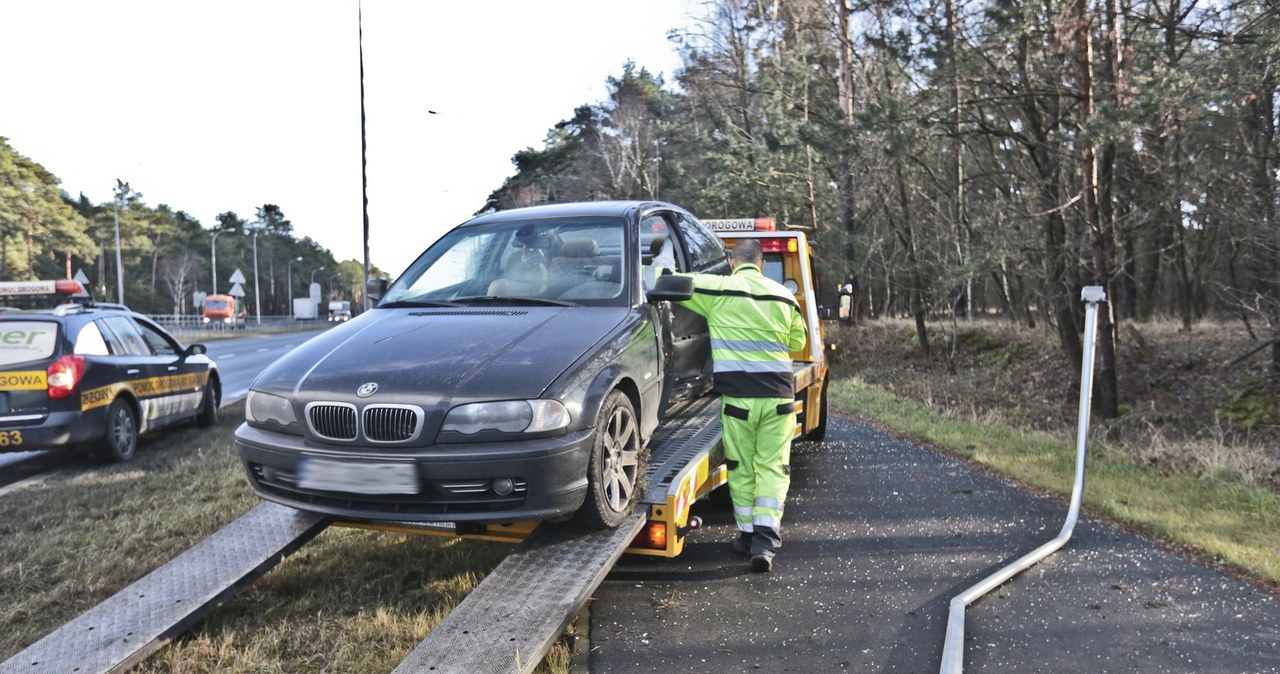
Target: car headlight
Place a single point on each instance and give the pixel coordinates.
(264, 408)
(509, 416)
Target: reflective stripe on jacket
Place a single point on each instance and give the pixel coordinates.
(755, 324)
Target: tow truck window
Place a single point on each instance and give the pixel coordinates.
(22, 341)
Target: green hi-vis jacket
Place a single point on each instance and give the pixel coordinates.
(755, 324)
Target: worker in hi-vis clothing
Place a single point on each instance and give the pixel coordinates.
(755, 324)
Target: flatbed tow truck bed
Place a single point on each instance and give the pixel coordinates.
(507, 623)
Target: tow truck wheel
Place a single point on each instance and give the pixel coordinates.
(120, 442)
(614, 467)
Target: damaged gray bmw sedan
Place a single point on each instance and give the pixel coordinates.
(515, 371)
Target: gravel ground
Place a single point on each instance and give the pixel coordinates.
(880, 534)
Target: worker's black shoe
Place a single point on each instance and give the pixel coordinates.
(762, 561)
(742, 546)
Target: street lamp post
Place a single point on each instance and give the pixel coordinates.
(119, 270)
(213, 255)
(257, 297)
(289, 309)
(332, 276)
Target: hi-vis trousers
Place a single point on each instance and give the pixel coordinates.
(757, 449)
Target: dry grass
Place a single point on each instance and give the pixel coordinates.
(349, 601)
(1185, 407)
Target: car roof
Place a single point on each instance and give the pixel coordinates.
(567, 210)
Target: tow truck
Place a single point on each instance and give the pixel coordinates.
(518, 612)
(689, 473)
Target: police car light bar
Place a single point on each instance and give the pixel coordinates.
(21, 288)
(742, 225)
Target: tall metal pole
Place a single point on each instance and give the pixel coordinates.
(257, 298)
(289, 309)
(213, 256)
(364, 163)
(119, 270)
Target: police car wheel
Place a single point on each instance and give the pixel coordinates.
(208, 408)
(613, 471)
(120, 442)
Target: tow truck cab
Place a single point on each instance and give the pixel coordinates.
(788, 259)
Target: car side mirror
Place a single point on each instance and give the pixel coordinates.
(671, 288)
(375, 288)
(195, 350)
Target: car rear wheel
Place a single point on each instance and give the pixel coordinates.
(613, 471)
(208, 407)
(120, 442)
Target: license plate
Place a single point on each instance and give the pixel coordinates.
(358, 478)
(10, 439)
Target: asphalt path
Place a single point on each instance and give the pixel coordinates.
(879, 535)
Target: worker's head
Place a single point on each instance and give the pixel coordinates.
(747, 251)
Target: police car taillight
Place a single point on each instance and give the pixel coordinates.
(64, 375)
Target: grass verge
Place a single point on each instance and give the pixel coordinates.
(349, 601)
(1222, 515)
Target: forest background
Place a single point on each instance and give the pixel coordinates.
(952, 160)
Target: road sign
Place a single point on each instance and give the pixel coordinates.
(238, 277)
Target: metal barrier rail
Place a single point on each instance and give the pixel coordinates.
(953, 646)
(193, 325)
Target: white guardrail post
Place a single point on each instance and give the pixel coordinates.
(953, 646)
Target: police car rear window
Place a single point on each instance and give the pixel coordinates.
(23, 341)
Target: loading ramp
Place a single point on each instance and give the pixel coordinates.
(507, 623)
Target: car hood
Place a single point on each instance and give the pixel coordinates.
(430, 356)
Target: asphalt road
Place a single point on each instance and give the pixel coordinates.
(879, 535)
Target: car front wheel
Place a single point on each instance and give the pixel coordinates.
(120, 442)
(613, 471)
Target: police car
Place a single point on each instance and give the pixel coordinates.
(93, 376)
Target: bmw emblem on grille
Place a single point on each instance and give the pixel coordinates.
(367, 390)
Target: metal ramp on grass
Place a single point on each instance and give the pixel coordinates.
(515, 615)
(138, 620)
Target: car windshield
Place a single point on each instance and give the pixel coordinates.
(554, 261)
(215, 304)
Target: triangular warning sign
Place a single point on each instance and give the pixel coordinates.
(237, 277)
(236, 290)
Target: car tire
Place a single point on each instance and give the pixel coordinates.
(120, 442)
(613, 471)
(208, 406)
(819, 432)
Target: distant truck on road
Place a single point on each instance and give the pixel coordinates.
(225, 312)
(339, 311)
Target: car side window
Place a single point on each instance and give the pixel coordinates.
(160, 344)
(127, 337)
(90, 342)
(704, 248)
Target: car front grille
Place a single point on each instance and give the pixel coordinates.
(377, 423)
(392, 423)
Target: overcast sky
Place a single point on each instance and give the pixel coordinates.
(218, 106)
